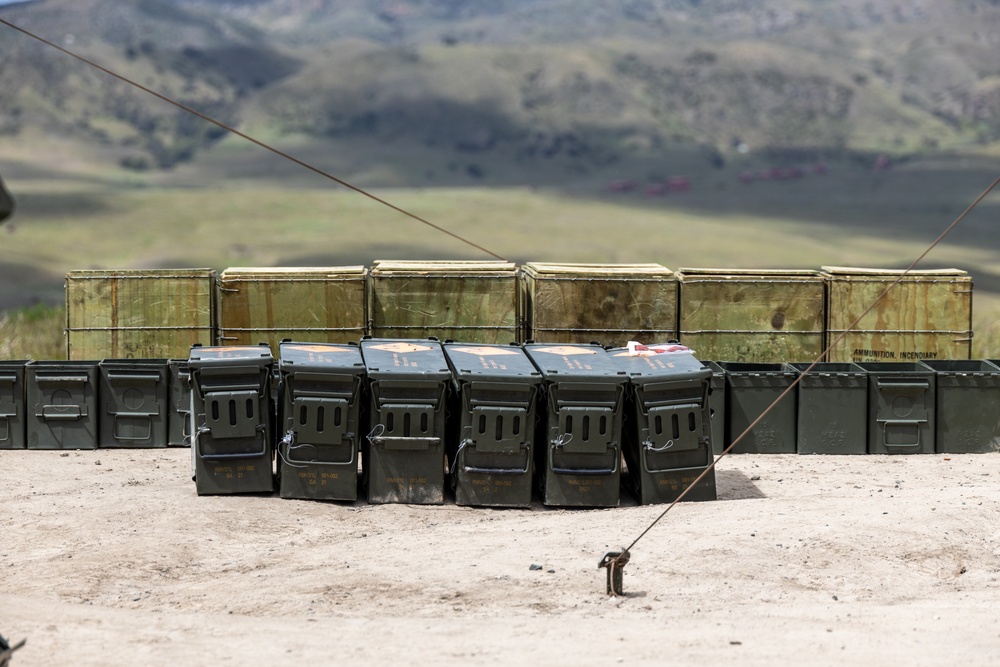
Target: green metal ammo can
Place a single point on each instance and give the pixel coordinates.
(901, 407)
(579, 437)
(179, 415)
(667, 425)
(494, 414)
(319, 417)
(404, 453)
(832, 408)
(12, 394)
(135, 396)
(717, 405)
(751, 389)
(62, 399)
(232, 414)
(968, 406)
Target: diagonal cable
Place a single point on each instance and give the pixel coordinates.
(822, 355)
(263, 145)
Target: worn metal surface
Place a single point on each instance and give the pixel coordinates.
(832, 409)
(179, 417)
(404, 453)
(578, 445)
(751, 389)
(303, 304)
(608, 303)
(134, 403)
(770, 316)
(901, 407)
(232, 419)
(472, 302)
(138, 314)
(928, 315)
(493, 412)
(667, 426)
(12, 405)
(717, 405)
(967, 406)
(320, 420)
(61, 404)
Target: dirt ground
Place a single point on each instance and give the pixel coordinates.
(110, 558)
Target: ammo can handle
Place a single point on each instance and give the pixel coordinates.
(285, 447)
(235, 455)
(887, 384)
(133, 377)
(501, 471)
(653, 471)
(62, 379)
(584, 471)
(901, 422)
(402, 443)
(61, 412)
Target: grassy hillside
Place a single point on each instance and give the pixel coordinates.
(549, 88)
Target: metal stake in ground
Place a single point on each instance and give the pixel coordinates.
(6, 650)
(615, 562)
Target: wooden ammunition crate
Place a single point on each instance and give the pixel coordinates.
(608, 303)
(138, 314)
(766, 316)
(928, 315)
(304, 304)
(465, 301)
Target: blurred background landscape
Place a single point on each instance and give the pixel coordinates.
(692, 133)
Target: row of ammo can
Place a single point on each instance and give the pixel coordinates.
(494, 421)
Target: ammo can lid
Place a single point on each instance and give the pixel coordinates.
(219, 355)
(404, 357)
(319, 357)
(500, 362)
(657, 367)
(571, 361)
(597, 270)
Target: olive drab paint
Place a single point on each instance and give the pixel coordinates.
(608, 303)
(578, 445)
(926, 316)
(62, 404)
(303, 304)
(767, 316)
(139, 314)
(320, 421)
(491, 449)
(967, 396)
(404, 452)
(750, 389)
(179, 416)
(470, 301)
(832, 408)
(12, 406)
(667, 425)
(901, 407)
(717, 405)
(232, 419)
(135, 402)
